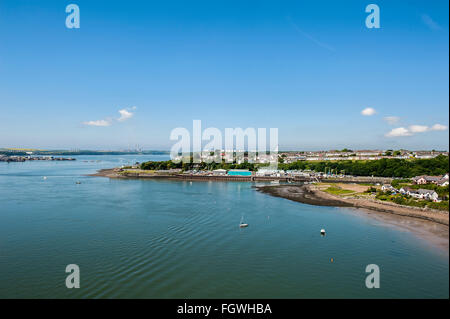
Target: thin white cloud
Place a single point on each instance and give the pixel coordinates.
(125, 114)
(399, 131)
(415, 129)
(98, 123)
(418, 128)
(430, 23)
(392, 119)
(368, 111)
(311, 38)
(439, 127)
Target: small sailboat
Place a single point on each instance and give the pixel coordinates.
(242, 224)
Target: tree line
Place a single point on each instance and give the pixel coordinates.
(165, 165)
(386, 167)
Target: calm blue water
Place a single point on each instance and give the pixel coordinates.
(172, 239)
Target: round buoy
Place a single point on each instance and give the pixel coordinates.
(322, 231)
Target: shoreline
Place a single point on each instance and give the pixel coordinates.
(310, 194)
(432, 226)
(106, 172)
(117, 173)
(306, 194)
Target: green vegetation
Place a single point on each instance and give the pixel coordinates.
(440, 205)
(196, 166)
(380, 168)
(338, 191)
(371, 190)
(386, 167)
(398, 183)
(163, 165)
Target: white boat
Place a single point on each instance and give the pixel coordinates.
(322, 231)
(275, 182)
(242, 224)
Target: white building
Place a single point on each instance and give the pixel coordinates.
(219, 172)
(269, 172)
(388, 188)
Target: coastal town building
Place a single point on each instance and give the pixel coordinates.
(219, 172)
(270, 172)
(336, 155)
(405, 190)
(420, 193)
(437, 180)
(388, 188)
(427, 194)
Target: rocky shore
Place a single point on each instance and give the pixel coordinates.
(109, 172)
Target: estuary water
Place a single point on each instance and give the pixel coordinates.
(176, 239)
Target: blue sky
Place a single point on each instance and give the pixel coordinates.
(308, 68)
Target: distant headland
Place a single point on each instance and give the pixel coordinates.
(30, 151)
